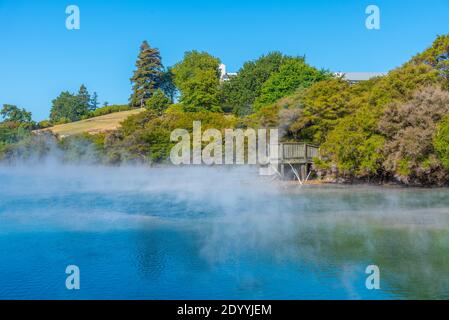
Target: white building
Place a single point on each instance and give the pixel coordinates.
(224, 75)
(354, 77)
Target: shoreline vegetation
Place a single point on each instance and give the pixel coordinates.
(333, 183)
(392, 129)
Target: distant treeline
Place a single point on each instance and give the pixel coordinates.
(390, 128)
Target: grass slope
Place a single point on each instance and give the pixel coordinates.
(104, 123)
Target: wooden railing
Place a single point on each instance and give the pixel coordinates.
(296, 152)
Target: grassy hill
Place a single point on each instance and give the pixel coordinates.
(93, 125)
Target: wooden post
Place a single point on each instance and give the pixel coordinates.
(304, 171)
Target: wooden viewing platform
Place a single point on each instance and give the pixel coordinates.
(294, 160)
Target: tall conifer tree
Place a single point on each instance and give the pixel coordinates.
(147, 77)
(93, 102)
(84, 98)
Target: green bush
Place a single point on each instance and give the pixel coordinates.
(109, 109)
(410, 129)
(293, 74)
(239, 93)
(197, 78)
(13, 132)
(62, 120)
(44, 124)
(85, 147)
(354, 146)
(145, 137)
(441, 142)
(158, 102)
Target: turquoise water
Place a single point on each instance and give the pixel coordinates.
(138, 233)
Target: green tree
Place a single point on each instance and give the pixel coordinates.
(146, 136)
(410, 128)
(436, 56)
(168, 85)
(14, 114)
(322, 106)
(441, 142)
(147, 76)
(197, 77)
(240, 92)
(354, 146)
(84, 98)
(16, 126)
(68, 107)
(93, 102)
(293, 74)
(158, 102)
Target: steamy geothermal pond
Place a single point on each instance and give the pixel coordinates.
(215, 234)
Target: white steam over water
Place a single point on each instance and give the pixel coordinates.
(227, 217)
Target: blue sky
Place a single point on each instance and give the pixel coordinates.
(39, 57)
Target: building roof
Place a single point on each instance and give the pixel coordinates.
(360, 76)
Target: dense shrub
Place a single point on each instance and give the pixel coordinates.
(441, 142)
(322, 105)
(11, 132)
(32, 147)
(83, 148)
(71, 107)
(109, 109)
(44, 124)
(353, 147)
(197, 78)
(410, 128)
(437, 56)
(145, 137)
(382, 128)
(158, 102)
(293, 74)
(239, 93)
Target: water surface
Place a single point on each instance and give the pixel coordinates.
(139, 233)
